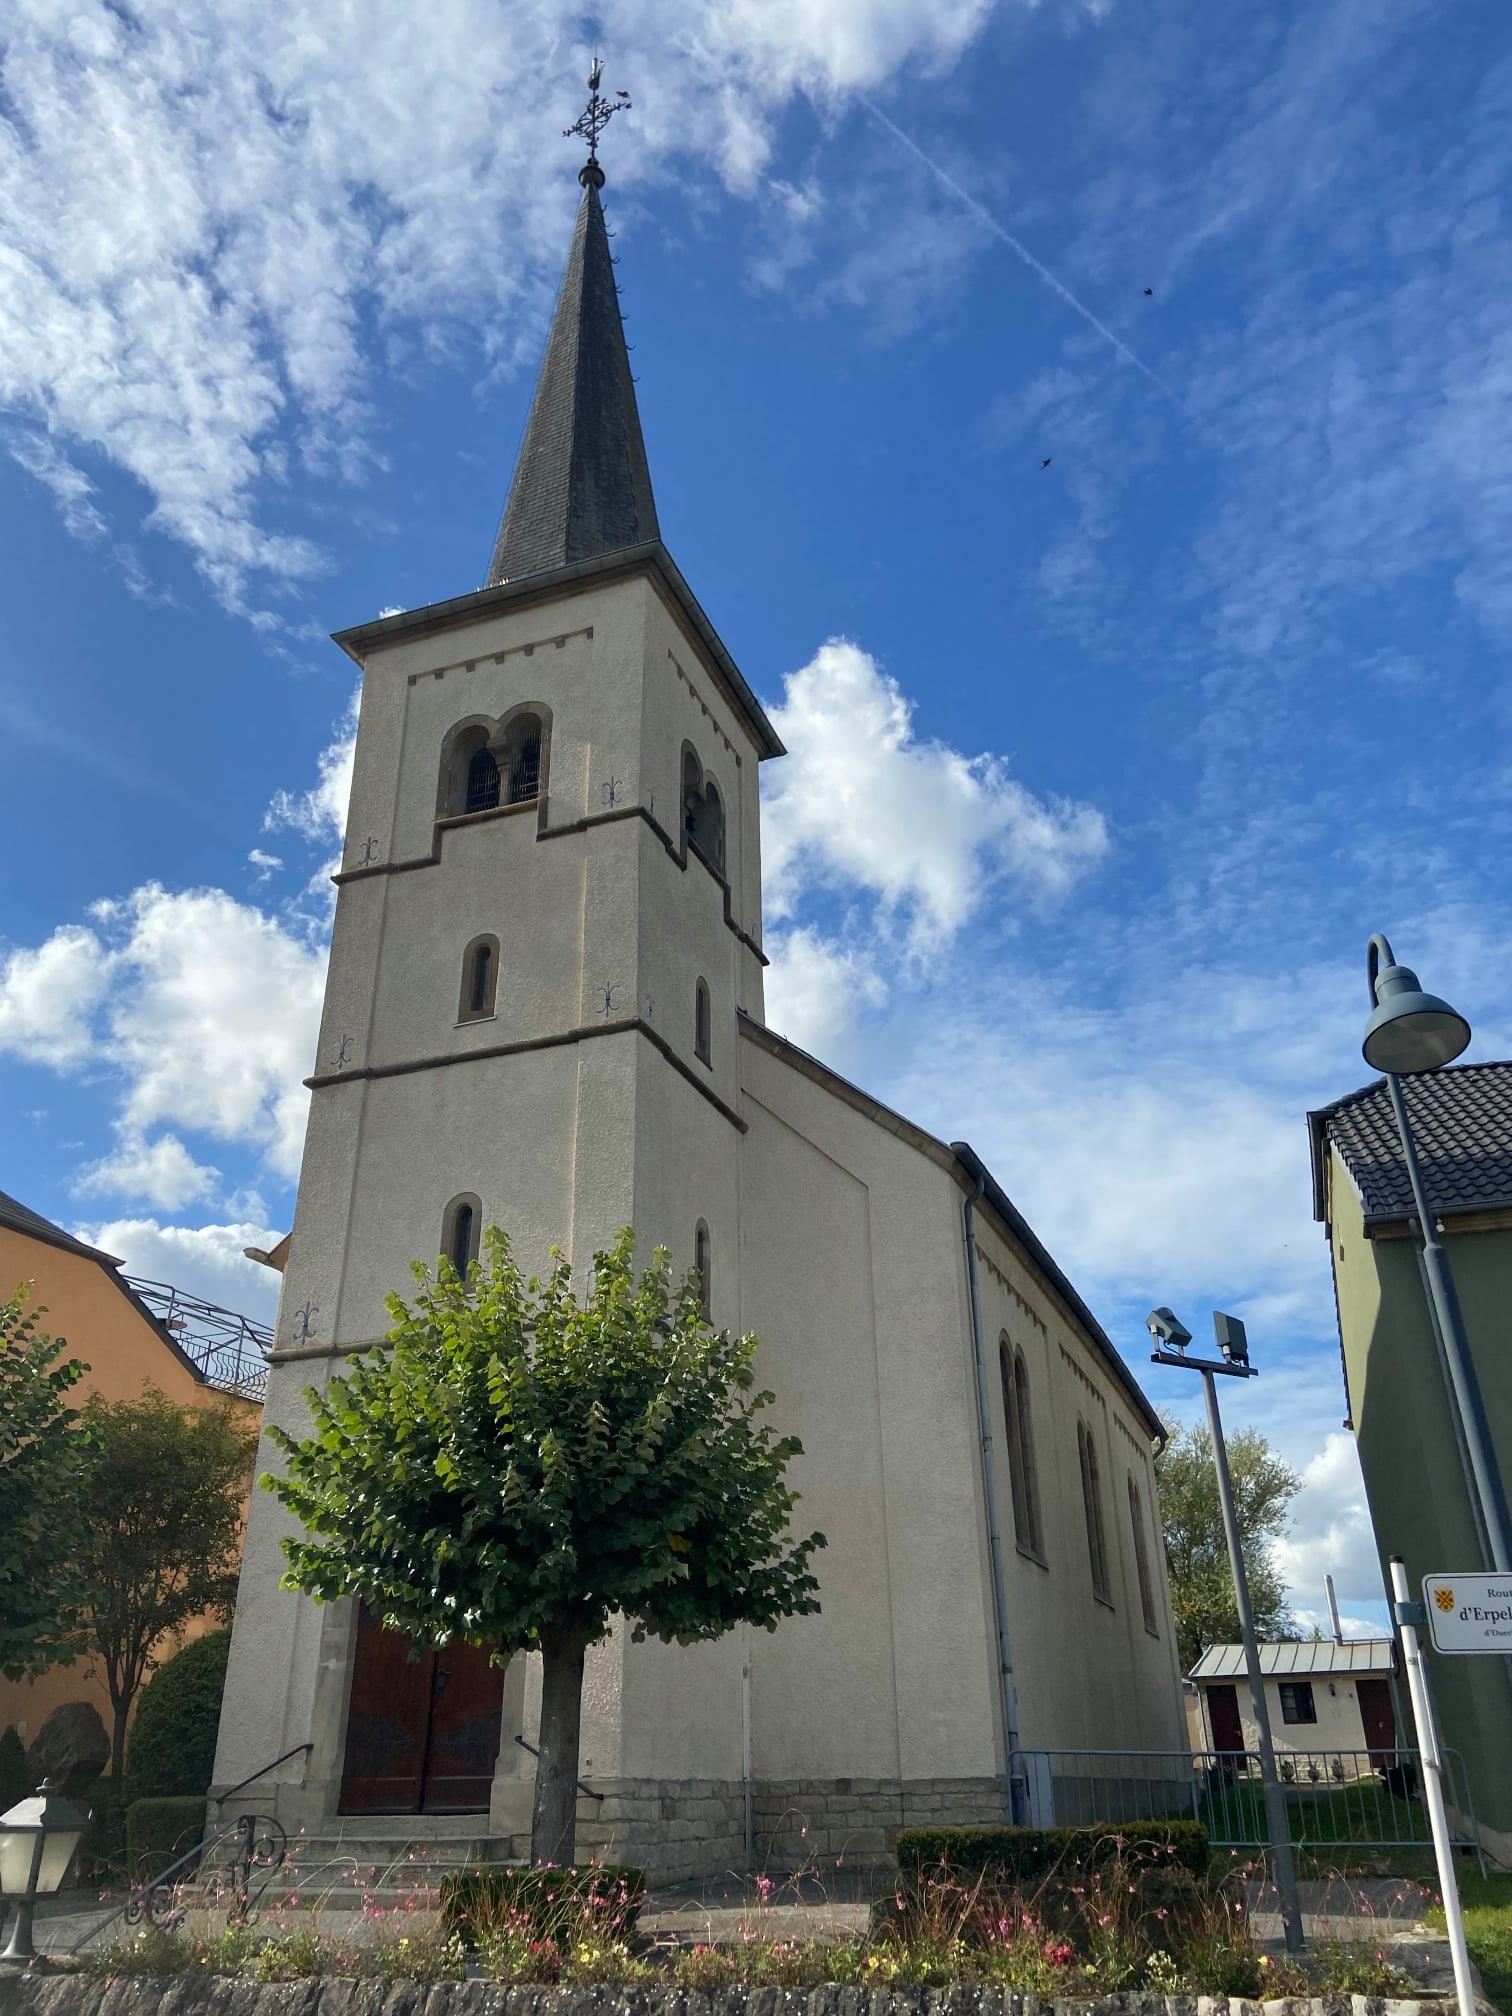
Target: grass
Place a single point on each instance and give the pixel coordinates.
(1487, 1902)
(1333, 1829)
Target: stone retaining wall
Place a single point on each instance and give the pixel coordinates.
(675, 1829)
(82, 1995)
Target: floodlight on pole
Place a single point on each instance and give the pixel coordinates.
(1168, 1329)
(1408, 1030)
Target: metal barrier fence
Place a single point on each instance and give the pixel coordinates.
(1335, 1799)
(229, 1349)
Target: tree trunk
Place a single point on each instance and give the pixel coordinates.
(553, 1829)
(119, 1712)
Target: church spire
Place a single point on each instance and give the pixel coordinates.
(581, 487)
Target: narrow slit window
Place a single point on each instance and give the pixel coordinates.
(1097, 1545)
(480, 980)
(1022, 1529)
(702, 1268)
(1142, 1559)
(1024, 1418)
(460, 1227)
(702, 1039)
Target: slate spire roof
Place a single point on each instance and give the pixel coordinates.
(581, 487)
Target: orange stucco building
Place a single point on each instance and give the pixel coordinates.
(130, 1337)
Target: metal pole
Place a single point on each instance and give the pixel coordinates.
(1463, 1381)
(1277, 1824)
(1407, 1613)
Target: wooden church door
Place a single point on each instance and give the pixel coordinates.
(1374, 1697)
(422, 1734)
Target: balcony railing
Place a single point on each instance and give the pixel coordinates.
(229, 1351)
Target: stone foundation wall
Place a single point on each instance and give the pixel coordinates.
(696, 1827)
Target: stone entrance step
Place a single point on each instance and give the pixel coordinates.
(386, 1862)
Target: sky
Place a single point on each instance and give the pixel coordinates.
(1088, 424)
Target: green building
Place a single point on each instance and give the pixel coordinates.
(1416, 1478)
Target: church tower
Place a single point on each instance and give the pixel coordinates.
(548, 923)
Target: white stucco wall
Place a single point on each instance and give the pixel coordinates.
(1338, 1727)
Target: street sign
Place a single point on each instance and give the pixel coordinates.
(1469, 1613)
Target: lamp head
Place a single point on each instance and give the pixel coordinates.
(1232, 1339)
(1169, 1328)
(1409, 1030)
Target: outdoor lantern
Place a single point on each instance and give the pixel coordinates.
(37, 1842)
(1409, 1030)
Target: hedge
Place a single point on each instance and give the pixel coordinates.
(1024, 1854)
(159, 1831)
(172, 1751)
(102, 1852)
(468, 1899)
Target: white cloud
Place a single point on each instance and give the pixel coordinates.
(1331, 1528)
(816, 989)
(205, 214)
(859, 803)
(204, 1260)
(205, 1008)
(161, 1172)
(320, 813)
(71, 489)
(265, 864)
(48, 995)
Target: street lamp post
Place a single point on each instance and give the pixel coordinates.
(1234, 1347)
(1410, 1032)
(37, 1842)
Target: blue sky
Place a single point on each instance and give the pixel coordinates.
(1102, 772)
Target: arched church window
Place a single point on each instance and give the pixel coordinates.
(692, 792)
(482, 781)
(520, 759)
(1023, 1476)
(703, 1268)
(461, 1224)
(1097, 1539)
(702, 812)
(480, 979)
(702, 1039)
(712, 834)
(1142, 1559)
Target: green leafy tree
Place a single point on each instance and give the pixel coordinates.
(39, 1469)
(158, 1535)
(1202, 1586)
(518, 1467)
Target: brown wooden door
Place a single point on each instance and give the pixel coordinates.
(422, 1733)
(1223, 1715)
(467, 1703)
(1374, 1697)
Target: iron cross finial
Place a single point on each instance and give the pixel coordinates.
(595, 117)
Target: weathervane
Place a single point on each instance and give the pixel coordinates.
(596, 116)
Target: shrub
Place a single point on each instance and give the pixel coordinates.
(563, 1906)
(1020, 1855)
(15, 1779)
(159, 1831)
(173, 1741)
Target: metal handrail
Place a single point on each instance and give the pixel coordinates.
(580, 1785)
(253, 1830)
(299, 1750)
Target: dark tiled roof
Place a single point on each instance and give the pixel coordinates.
(581, 486)
(21, 1218)
(1462, 1121)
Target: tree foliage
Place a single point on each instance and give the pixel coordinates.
(1202, 1586)
(158, 1536)
(39, 1468)
(516, 1468)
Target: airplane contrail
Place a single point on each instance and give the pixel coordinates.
(1022, 251)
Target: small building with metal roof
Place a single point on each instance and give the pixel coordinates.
(1323, 1695)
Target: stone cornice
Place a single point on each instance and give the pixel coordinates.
(583, 1033)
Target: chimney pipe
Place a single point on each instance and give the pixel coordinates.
(1333, 1610)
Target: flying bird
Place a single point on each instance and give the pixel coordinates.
(1149, 292)
(1047, 461)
